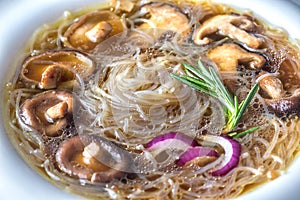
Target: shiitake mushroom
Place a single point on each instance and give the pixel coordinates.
(91, 29)
(48, 112)
(50, 69)
(93, 158)
(166, 17)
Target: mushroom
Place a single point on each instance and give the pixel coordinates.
(93, 158)
(166, 17)
(91, 29)
(52, 68)
(228, 56)
(271, 85)
(48, 112)
(235, 27)
(285, 106)
(124, 5)
(280, 102)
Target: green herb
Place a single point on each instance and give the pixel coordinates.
(206, 80)
(241, 134)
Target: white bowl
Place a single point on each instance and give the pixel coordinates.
(18, 19)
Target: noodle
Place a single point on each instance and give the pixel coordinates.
(131, 99)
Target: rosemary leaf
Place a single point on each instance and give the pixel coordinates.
(241, 134)
(246, 102)
(188, 81)
(222, 90)
(199, 73)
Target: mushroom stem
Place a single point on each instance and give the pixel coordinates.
(56, 112)
(90, 151)
(99, 32)
(51, 77)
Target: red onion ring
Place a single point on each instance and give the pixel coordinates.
(173, 140)
(192, 150)
(232, 153)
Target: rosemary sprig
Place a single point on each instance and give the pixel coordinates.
(206, 80)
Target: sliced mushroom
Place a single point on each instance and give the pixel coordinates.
(93, 158)
(279, 101)
(166, 17)
(235, 27)
(272, 86)
(48, 112)
(91, 29)
(51, 76)
(228, 56)
(50, 69)
(99, 32)
(286, 106)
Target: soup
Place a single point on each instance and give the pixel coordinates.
(107, 101)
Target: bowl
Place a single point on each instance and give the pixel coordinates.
(18, 21)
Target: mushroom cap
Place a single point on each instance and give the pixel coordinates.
(228, 56)
(166, 17)
(93, 158)
(52, 68)
(77, 35)
(236, 27)
(58, 104)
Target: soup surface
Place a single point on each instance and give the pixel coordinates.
(143, 100)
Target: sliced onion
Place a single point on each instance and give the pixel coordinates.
(196, 152)
(172, 140)
(232, 151)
